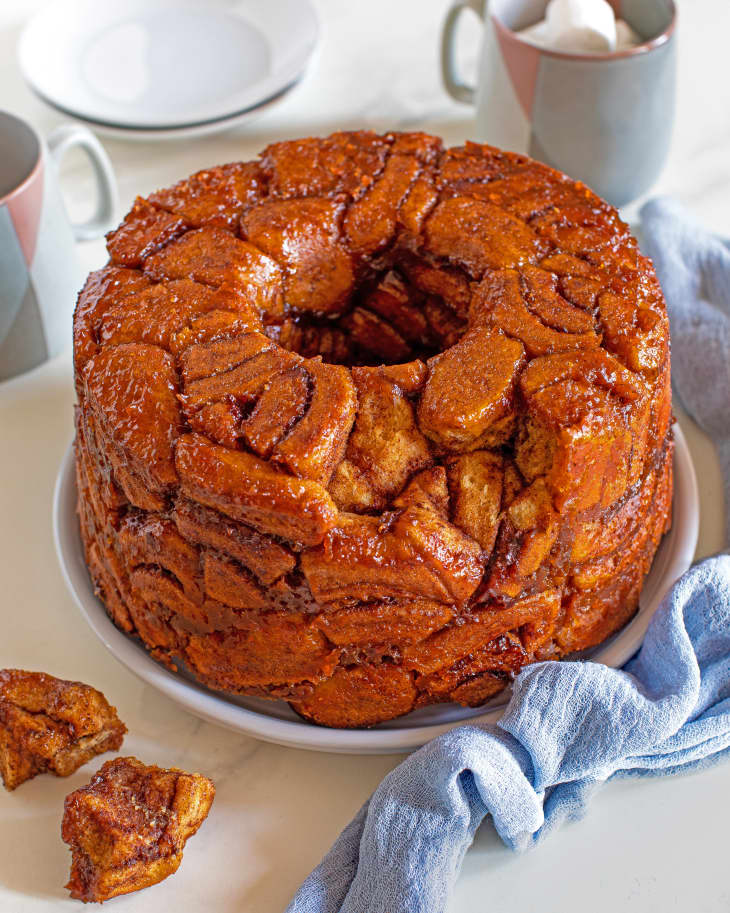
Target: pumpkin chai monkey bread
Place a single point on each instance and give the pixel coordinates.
(369, 424)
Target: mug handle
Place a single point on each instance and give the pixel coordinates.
(67, 137)
(454, 86)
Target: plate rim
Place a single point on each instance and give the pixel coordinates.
(679, 545)
(249, 98)
(149, 134)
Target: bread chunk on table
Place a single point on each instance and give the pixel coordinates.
(128, 827)
(51, 725)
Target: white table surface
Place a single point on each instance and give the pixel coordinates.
(645, 845)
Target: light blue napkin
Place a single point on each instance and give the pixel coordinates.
(569, 726)
(694, 270)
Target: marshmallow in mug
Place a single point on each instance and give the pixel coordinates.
(581, 26)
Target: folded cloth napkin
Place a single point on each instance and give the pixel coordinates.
(694, 270)
(569, 727)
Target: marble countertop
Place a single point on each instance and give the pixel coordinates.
(645, 845)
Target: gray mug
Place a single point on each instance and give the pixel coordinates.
(40, 274)
(605, 119)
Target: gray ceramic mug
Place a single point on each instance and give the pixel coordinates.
(605, 119)
(40, 274)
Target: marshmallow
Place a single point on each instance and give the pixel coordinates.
(626, 37)
(581, 26)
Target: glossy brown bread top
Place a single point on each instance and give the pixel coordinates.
(369, 424)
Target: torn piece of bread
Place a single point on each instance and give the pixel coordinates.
(127, 828)
(51, 725)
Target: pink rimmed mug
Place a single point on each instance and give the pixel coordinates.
(605, 119)
(40, 273)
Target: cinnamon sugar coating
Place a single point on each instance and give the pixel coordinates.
(368, 424)
(49, 725)
(128, 826)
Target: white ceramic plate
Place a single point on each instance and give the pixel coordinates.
(146, 135)
(274, 721)
(156, 64)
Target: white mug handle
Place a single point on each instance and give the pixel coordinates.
(455, 86)
(68, 137)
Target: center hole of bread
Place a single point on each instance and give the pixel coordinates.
(388, 320)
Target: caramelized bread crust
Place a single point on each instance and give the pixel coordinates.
(51, 725)
(369, 424)
(128, 826)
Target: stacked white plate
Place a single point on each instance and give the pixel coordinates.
(166, 69)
